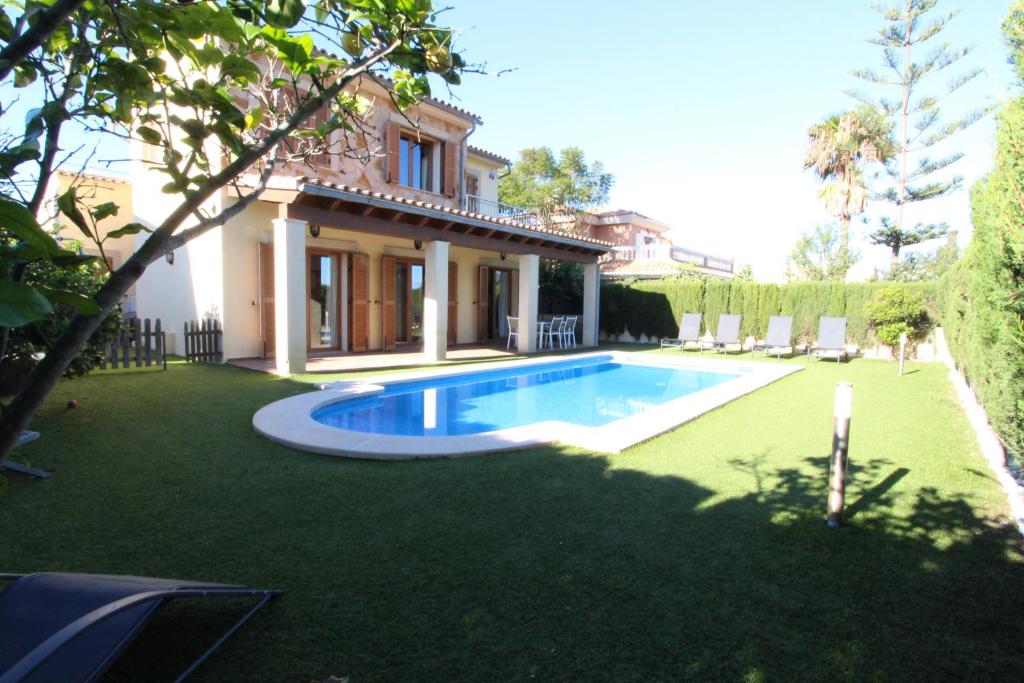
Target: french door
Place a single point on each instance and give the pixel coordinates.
(323, 313)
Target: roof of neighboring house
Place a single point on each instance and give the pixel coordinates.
(310, 186)
(624, 216)
(648, 268)
(642, 268)
(89, 175)
(489, 155)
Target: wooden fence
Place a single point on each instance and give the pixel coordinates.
(203, 342)
(143, 342)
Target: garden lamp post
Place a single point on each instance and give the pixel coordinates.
(841, 411)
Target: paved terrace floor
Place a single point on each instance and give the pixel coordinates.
(346, 362)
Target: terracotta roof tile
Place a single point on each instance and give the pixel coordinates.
(455, 212)
(490, 155)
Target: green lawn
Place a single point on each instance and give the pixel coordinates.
(701, 554)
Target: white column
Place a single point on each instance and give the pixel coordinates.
(591, 304)
(435, 301)
(529, 284)
(290, 295)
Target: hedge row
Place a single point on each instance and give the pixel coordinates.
(983, 295)
(654, 308)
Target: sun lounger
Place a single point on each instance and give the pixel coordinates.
(727, 334)
(689, 332)
(831, 338)
(778, 337)
(8, 464)
(71, 627)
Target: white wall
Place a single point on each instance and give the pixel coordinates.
(483, 170)
(191, 288)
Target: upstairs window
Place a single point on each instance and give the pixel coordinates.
(422, 163)
(416, 162)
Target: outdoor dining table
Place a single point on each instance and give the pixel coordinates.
(541, 326)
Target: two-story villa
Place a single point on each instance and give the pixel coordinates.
(347, 256)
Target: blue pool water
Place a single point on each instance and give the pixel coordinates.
(591, 392)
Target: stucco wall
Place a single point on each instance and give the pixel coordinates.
(370, 170)
(483, 169)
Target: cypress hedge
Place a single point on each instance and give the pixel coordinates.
(983, 294)
(653, 308)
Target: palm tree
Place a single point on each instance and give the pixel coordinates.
(837, 149)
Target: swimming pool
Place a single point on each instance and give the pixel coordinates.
(601, 401)
(590, 392)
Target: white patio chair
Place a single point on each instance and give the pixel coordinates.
(513, 331)
(569, 332)
(555, 331)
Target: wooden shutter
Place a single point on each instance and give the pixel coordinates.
(450, 169)
(267, 298)
(387, 289)
(392, 140)
(359, 331)
(453, 302)
(482, 279)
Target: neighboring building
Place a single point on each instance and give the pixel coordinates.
(643, 251)
(349, 256)
(641, 248)
(94, 189)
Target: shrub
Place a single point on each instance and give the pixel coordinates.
(29, 342)
(892, 311)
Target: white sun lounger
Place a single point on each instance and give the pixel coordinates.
(689, 332)
(727, 334)
(778, 337)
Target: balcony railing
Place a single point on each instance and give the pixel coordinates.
(557, 220)
(487, 207)
(669, 252)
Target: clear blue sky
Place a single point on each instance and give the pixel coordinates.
(700, 109)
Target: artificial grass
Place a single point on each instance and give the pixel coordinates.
(702, 554)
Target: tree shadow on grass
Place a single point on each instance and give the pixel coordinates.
(546, 564)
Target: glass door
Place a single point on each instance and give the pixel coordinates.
(500, 303)
(408, 302)
(323, 311)
(416, 301)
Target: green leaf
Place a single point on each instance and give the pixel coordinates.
(21, 304)
(149, 135)
(104, 210)
(20, 222)
(130, 229)
(284, 13)
(68, 205)
(253, 117)
(82, 304)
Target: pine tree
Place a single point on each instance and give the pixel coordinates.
(908, 28)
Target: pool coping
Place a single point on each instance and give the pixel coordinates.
(289, 421)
